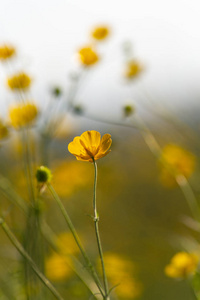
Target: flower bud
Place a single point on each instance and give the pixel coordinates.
(43, 175)
(128, 110)
(57, 92)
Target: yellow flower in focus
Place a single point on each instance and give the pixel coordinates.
(19, 81)
(179, 162)
(3, 131)
(56, 267)
(90, 146)
(133, 69)
(100, 33)
(119, 271)
(88, 56)
(6, 52)
(74, 174)
(22, 114)
(182, 265)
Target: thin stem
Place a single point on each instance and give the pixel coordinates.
(96, 221)
(7, 190)
(78, 268)
(75, 235)
(180, 178)
(26, 256)
(27, 161)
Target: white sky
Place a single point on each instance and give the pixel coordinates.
(165, 36)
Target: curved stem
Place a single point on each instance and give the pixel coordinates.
(75, 235)
(96, 221)
(26, 256)
(181, 180)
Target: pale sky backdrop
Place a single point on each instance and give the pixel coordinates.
(165, 36)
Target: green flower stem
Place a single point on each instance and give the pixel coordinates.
(96, 221)
(75, 235)
(33, 225)
(26, 256)
(27, 161)
(74, 263)
(7, 189)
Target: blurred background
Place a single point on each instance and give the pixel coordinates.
(143, 214)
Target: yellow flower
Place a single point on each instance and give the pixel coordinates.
(179, 161)
(22, 114)
(57, 268)
(133, 69)
(119, 271)
(88, 56)
(3, 131)
(66, 243)
(100, 33)
(182, 265)
(90, 146)
(6, 52)
(74, 174)
(19, 81)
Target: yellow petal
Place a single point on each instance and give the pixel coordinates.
(91, 138)
(105, 143)
(75, 147)
(84, 158)
(101, 154)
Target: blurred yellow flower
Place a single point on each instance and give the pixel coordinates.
(19, 81)
(66, 243)
(22, 114)
(119, 271)
(182, 265)
(90, 146)
(178, 161)
(6, 52)
(88, 56)
(3, 130)
(100, 32)
(57, 268)
(133, 69)
(73, 174)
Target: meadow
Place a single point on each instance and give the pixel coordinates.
(130, 232)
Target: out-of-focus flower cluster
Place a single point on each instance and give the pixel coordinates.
(182, 265)
(58, 265)
(6, 52)
(175, 161)
(120, 272)
(19, 81)
(22, 114)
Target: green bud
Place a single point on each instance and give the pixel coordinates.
(78, 109)
(56, 92)
(43, 175)
(128, 110)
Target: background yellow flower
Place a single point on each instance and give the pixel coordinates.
(88, 56)
(182, 265)
(68, 177)
(19, 81)
(178, 161)
(120, 272)
(22, 114)
(100, 32)
(6, 52)
(133, 69)
(56, 267)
